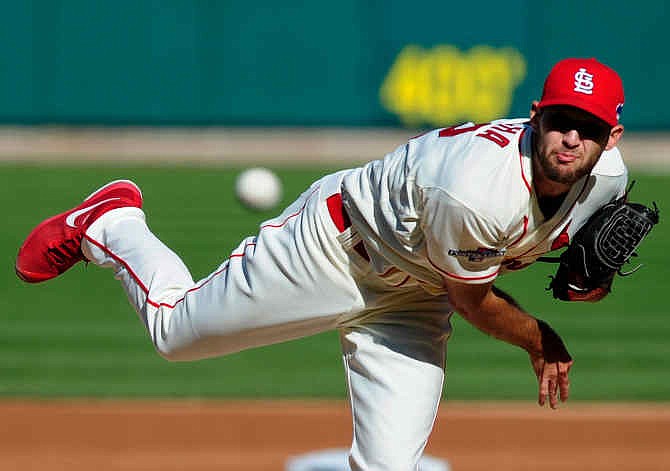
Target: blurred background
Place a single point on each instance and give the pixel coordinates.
(182, 95)
(224, 81)
(194, 63)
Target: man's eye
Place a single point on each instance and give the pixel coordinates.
(560, 123)
(564, 124)
(593, 132)
(588, 132)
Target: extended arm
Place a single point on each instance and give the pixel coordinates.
(497, 314)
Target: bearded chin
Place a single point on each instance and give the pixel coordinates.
(561, 174)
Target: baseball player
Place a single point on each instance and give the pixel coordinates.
(384, 253)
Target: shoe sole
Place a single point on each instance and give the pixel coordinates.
(30, 277)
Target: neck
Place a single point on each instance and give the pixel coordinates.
(549, 205)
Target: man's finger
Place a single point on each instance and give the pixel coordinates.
(565, 390)
(542, 384)
(549, 385)
(544, 390)
(553, 394)
(564, 381)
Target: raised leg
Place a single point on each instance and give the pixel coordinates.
(290, 281)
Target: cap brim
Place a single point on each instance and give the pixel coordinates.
(590, 108)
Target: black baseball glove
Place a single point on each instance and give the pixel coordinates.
(600, 248)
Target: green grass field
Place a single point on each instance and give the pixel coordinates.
(78, 336)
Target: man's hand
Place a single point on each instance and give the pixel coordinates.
(496, 313)
(551, 366)
(553, 380)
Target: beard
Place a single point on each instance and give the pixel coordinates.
(553, 170)
(558, 173)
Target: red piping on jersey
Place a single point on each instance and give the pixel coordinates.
(405, 280)
(492, 275)
(472, 278)
(523, 175)
(144, 288)
(525, 229)
(390, 270)
(420, 135)
(290, 216)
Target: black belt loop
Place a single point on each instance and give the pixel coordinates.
(342, 221)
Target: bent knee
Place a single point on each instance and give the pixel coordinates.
(172, 355)
(176, 353)
(192, 349)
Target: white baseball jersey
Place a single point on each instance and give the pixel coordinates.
(456, 203)
(459, 203)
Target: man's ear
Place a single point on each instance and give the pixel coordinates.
(534, 115)
(615, 135)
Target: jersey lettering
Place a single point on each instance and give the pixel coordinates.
(494, 134)
(495, 137)
(508, 128)
(460, 129)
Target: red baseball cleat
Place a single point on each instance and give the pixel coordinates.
(55, 244)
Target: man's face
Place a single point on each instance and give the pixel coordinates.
(569, 142)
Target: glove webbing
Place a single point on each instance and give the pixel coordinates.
(622, 234)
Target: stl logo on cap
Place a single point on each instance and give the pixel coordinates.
(583, 82)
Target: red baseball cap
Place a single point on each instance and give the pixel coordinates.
(585, 84)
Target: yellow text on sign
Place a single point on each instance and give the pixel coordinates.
(443, 85)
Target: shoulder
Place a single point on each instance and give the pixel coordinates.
(610, 176)
(481, 166)
(607, 181)
(610, 164)
(471, 150)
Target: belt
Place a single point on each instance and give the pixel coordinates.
(342, 221)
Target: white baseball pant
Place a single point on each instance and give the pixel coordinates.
(299, 276)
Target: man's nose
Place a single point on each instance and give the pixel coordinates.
(571, 138)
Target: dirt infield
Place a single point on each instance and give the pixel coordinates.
(204, 436)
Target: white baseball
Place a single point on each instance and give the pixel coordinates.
(258, 188)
